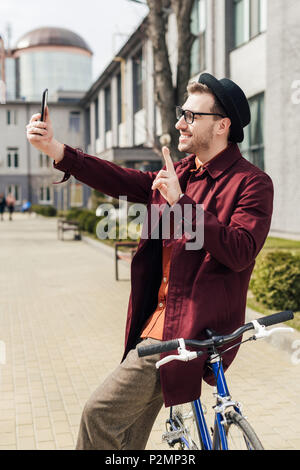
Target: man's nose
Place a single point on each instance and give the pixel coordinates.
(181, 124)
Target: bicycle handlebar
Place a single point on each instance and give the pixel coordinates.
(215, 341)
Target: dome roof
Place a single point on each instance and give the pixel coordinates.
(49, 36)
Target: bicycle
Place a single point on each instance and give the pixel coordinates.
(186, 426)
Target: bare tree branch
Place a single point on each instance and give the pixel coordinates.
(166, 95)
(183, 11)
(138, 1)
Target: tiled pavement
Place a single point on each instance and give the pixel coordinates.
(62, 318)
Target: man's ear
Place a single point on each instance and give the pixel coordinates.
(224, 126)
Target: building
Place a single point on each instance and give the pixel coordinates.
(253, 42)
(27, 173)
(60, 60)
(122, 121)
(48, 57)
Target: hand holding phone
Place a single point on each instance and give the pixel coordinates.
(40, 133)
(44, 104)
(40, 130)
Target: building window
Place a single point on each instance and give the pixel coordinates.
(45, 195)
(263, 10)
(74, 121)
(241, 22)
(198, 28)
(250, 19)
(97, 130)
(11, 117)
(44, 161)
(87, 121)
(252, 147)
(76, 195)
(107, 97)
(15, 190)
(12, 158)
(119, 86)
(138, 82)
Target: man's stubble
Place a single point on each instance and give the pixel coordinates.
(199, 143)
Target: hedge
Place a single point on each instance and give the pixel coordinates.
(276, 280)
(88, 222)
(47, 211)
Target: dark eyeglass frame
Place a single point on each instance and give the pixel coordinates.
(182, 112)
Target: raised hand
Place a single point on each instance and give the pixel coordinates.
(167, 181)
(40, 135)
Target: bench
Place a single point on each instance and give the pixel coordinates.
(64, 225)
(124, 255)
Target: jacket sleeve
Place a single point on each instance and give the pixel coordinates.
(106, 176)
(237, 244)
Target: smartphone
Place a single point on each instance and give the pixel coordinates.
(44, 104)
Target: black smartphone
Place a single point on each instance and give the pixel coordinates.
(44, 104)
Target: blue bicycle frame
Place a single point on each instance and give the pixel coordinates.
(219, 436)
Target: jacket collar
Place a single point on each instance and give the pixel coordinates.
(219, 163)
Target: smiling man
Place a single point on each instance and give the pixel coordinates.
(196, 129)
(176, 292)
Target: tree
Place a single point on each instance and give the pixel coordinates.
(168, 95)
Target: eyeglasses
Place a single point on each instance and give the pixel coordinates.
(189, 116)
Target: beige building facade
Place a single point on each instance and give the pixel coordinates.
(253, 42)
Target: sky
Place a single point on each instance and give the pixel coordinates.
(104, 24)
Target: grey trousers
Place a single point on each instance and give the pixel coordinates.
(121, 412)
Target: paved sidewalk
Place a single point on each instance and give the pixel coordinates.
(62, 318)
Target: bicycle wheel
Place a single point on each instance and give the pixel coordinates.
(240, 434)
(184, 418)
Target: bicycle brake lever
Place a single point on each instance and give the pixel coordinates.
(261, 332)
(183, 355)
(165, 360)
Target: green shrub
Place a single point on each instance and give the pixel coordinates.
(276, 280)
(47, 211)
(50, 211)
(84, 214)
(90, 223)
(87, 218)
(73, 213)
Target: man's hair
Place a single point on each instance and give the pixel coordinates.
(195, 87)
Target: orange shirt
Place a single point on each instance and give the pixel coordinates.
(155, 324)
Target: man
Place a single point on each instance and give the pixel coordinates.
(176, 292)
(10, 203)
(2, 205)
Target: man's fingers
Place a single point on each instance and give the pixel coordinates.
(37, 130)
(168, 159)
(34, 137)
(35, 117)
(162, 173)
(40, 124)
(37, 127)
(160, 186)
(159, 181)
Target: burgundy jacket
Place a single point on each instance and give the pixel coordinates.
(208, 286)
